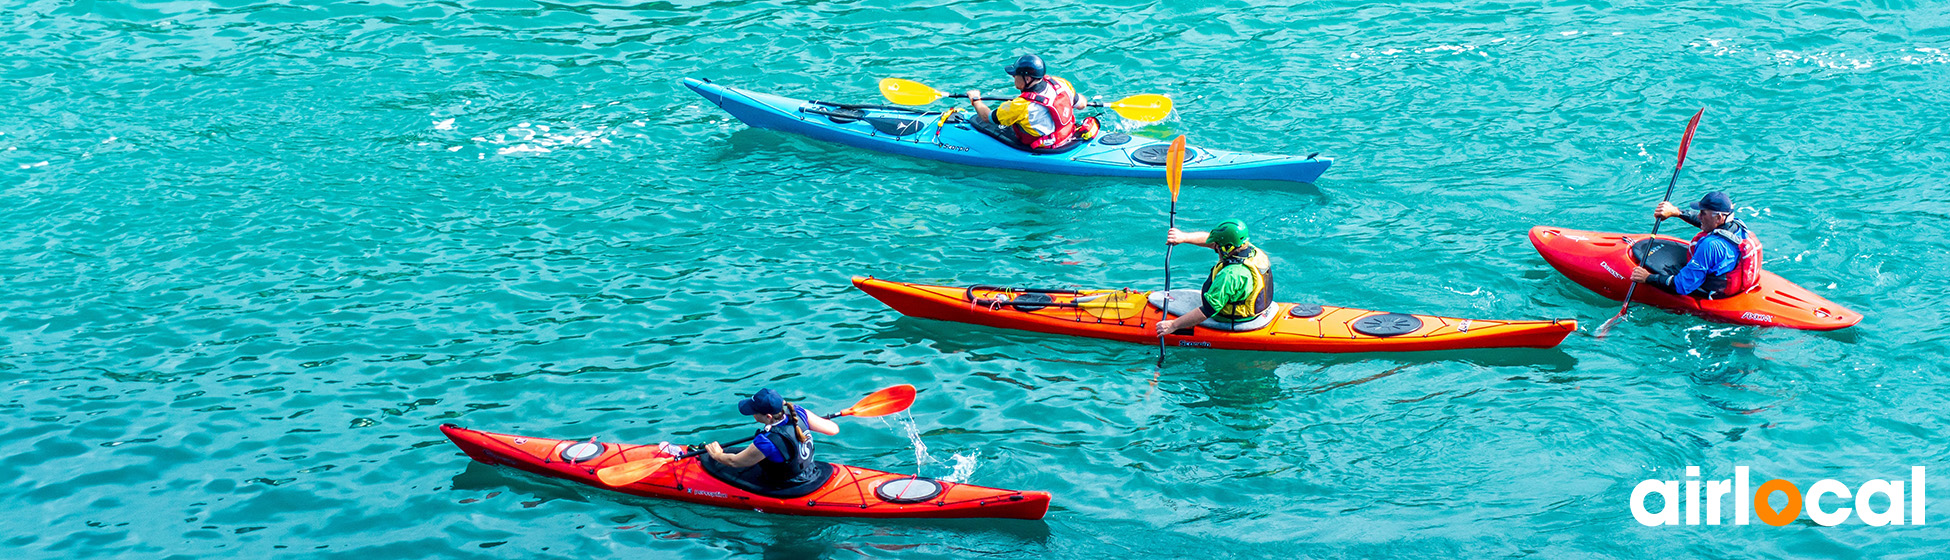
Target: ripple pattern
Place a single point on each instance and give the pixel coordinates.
(255, 252)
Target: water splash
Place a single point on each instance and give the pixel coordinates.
(963, 467)
(960, 465)
(921, 456)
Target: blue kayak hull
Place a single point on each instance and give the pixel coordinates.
(922, 135)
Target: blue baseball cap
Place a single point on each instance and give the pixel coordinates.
(766, 401)
(1716, 201)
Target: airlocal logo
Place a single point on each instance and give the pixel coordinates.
(1756, 501)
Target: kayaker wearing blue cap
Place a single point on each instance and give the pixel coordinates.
(1240, 286)
(783, 451)
(1044, 117)
(1725, 259)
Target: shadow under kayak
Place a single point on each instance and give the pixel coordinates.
(909, 132)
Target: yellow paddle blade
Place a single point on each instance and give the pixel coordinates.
(631, 472)
(1175, 165)
(1114, 306)
(908, 92)
(1147, 107)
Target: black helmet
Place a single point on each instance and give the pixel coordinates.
(1029, 65)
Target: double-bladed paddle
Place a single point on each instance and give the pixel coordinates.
(1683, 144)
(881, 403)
(1174, 173)
(1147, 107)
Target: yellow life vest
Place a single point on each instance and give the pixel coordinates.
(1259, 299)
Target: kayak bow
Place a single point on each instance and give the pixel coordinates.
(850, 492)
(910, 132)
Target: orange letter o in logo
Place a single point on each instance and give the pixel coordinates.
(1777, 517)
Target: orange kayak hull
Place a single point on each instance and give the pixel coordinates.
(1333, 329)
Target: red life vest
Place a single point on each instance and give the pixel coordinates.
(1746, 273)
(1058, 98)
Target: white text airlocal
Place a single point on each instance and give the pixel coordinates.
(1747, 498)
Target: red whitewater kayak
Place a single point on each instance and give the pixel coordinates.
(848, 492)
(1602, 262)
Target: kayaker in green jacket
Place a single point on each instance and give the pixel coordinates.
(1240, 286)
(783, 450)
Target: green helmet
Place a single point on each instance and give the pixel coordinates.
(1229, 233)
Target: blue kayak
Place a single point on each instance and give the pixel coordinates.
(911, 132)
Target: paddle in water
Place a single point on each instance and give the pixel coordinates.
(881, 403)
(1147, 107)
(1683, 144)
(1174, 173)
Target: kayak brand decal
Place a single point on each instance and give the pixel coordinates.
(1195, 343)
(1897, 500)
(706, 493)
(1607, 267)
(1752, 316)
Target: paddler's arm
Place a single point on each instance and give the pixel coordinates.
(1707, 257)
(1230, 285)
(1195, 317)
(822, 425)
(749, 456)
(1174, 237)
(1667, 210)
(981, 109)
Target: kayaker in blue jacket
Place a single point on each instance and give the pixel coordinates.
(783, 450)
(1044, 116)
(1725, 256)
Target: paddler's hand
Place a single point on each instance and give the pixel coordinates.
(1666, 210)
(1174, 237)
(1168, 326)
(974, 96)
(1639, 274)
(714, 448)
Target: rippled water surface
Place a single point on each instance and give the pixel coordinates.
(255, 253)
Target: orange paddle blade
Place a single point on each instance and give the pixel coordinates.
(883, 402)
(1175, 165)
(631, 472)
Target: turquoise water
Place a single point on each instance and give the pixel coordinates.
(256, 252)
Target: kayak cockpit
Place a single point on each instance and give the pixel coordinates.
(746, 479)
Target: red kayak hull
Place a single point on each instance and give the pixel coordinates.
(1602, 263)
(849, 493)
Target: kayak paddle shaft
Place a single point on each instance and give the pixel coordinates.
(1174, 174)
(700, 450)
(1683, 144)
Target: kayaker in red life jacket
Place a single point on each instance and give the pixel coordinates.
(783, 450)
(1044, 117)
(1239, 288)
(1725, 259)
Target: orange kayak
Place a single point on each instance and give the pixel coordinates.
(1602, 262)
(1124, 315)
(848, 492)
